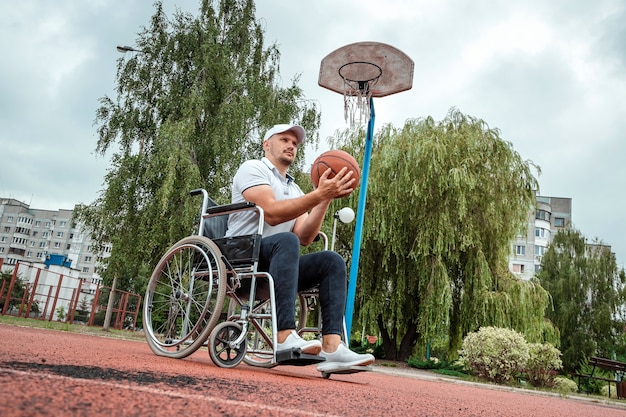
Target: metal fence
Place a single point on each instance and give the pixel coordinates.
(40, 293)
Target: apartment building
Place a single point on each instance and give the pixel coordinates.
(29, 235)
(550, 215)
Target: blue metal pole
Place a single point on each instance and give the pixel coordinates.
(360, 215)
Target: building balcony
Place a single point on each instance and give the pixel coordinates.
(18, 246)
(18, 256)
(24, 225)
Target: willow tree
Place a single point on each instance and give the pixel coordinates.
(191, 105)
(445, 199)
(587, 290)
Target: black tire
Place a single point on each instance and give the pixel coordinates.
(222, 353)
(184, 297)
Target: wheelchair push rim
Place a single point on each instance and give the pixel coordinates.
(184, 297)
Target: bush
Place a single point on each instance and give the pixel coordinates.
(495, 354)
(543, 363)
(604, 391)
(565, 385)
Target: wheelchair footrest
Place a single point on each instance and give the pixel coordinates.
(346, 370)
(297, 358)
(350, 370)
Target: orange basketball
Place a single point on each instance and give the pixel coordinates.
(334, 159)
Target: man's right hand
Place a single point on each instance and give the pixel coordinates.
(341, 185)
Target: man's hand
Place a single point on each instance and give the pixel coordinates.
(338, 186)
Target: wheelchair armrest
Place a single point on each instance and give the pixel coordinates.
(210, 210)
(230, 207)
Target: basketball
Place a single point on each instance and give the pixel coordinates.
(334, 159)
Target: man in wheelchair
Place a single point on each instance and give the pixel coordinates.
(293, 218)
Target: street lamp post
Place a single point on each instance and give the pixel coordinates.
(345, 215)
(123, 49)
(109, 312)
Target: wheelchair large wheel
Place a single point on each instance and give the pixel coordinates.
(222, 353)
(184, 298)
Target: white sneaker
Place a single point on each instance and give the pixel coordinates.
(293, 341)
(343, 358)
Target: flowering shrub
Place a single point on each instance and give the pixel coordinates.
(543, 363)
(565, 385)
(495, 354)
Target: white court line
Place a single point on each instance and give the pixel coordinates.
(149, 390)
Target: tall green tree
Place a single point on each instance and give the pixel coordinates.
(190, 107)
(444, 201)
(587, 290)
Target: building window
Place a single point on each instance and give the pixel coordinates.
(540, 250)
(520, 250)
(542, 215)
(559, 222)
(9, 218)
(518, 268)
(1, 250)
(57, 244)
(3, 239)
(59, 234)
(541, 232)
(85, 269)
(537, 268)
(37, 223)
(46, 224)
(45, 234)
(7, 229)
(62, 223)
(35, 233)
(32, 244)
(42, 244)
(87, 258)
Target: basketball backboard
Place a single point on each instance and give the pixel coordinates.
(378, 67)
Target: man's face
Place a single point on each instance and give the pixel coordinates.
(281, 148)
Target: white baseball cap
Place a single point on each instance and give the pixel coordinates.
(298, 130)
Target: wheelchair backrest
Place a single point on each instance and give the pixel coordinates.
(238, 250)
(215, 226)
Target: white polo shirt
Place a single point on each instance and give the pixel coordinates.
(253, 173)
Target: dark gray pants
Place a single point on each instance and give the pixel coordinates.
(280, 256)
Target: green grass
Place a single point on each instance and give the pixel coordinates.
(73, 328)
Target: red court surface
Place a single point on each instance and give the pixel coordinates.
(52, 373)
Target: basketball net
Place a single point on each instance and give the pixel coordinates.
(356, 104)
(358, 78)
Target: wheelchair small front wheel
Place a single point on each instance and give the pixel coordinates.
(223, 353)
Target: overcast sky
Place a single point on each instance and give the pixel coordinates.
(551, 75)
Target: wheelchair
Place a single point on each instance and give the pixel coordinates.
(186, 308)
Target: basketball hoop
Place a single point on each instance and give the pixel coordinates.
(357, 90)
(363, 70)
